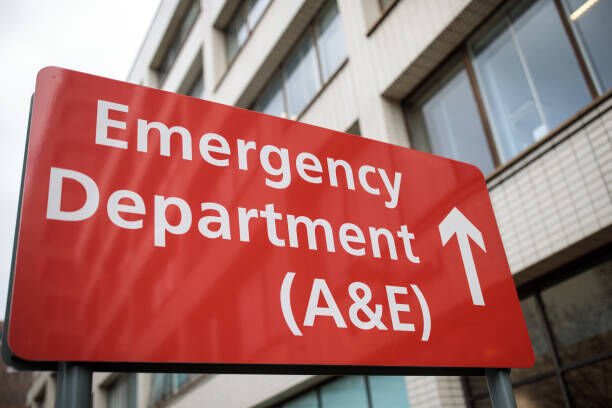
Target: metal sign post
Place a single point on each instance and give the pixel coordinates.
(73, 386)
(500, 388)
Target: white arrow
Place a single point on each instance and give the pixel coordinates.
(455, 223)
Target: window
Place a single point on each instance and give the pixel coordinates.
(122, 392)
(447, 122)
(570, 327)
(164, 385)
(385, 4)
(354, 129)
(317, 56)
(242, 24)
(590, 21)
(301, 77)
(330, 40)
(271, 101)
(511, 84)
(196, 89)
(355, 392)
(529, 75)
(187, 19)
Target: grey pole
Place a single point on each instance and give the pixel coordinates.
(73, 386)
(500, 387)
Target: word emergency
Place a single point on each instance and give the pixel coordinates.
(127, 209)
(216, 150)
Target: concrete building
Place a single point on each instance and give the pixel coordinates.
(519, 88)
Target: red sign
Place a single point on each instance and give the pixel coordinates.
(160, 228)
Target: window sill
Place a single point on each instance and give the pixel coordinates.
(380, 18)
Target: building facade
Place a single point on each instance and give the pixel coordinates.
(522, 89)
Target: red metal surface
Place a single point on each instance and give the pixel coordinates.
(90, 290)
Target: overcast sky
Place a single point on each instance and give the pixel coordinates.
(97, 37)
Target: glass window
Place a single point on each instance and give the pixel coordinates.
(448, 124)
(591, 386)
(525, 94)
(542, 394)
(308, 400)
(330, 40)
(122, 392)
(237, 33)
(590, 21)
(301, 76)
(575, 314)
(388, 391)
(256, 9)
(355, 129)
(197, 87)
(385, 4)
(315, 58)
(355, 392)
(271, 100)
(345, 392)
(163, 385)
(580, 314)
(537, 334)
(242, 24)
(177, 39)
(477, 386)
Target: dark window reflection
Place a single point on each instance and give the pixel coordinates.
(570, 327)
(537, 335)
(541, 394)
(580, 314)
(477, 386)
(591, 386)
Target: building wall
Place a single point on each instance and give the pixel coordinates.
(553, 203)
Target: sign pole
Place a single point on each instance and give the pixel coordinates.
(500, 388)
(73, 386)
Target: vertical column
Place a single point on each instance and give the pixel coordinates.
(73, 386)
(500, 388)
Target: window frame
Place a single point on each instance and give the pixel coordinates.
(243, 10)
(534, 289)
(280, 72)
(384, 12)
(462, 51)
(177, 389)
(453, 64)
(172, 36)
(131, 384)
(318, 387)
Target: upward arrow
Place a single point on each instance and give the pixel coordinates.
(455, 223)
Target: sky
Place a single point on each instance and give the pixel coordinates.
(97, 37)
